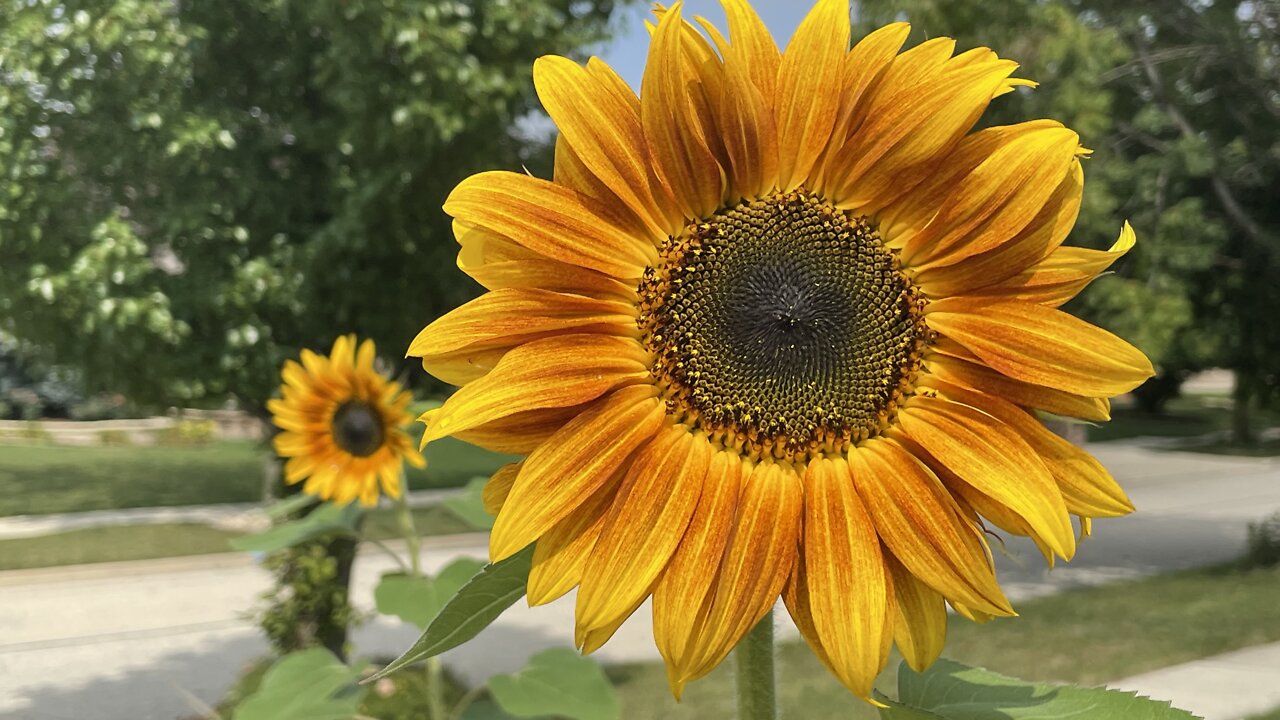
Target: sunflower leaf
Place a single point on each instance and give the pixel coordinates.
(477, 604)
(558, 682)
(307, 685)
(418, 600)
(323, 520)
(469, 505)
(951, 691)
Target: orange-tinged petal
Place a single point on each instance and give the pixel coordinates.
(919, 523)
(553, 372)
(600, 117)
(560, 555)
(752, 48)
(519, 433)
(498, 487)
(972, 374)
(552, 220)
(683, 592)
(644, 526)
(994, 202)
(1087, 487)
(800, 606)
(849, 587)
(992, 458)
(757, 562)
(497, 262)
(919, 618)
(807, 106)
(681, 156)
(574, 464)
(1041, 345)
(1063, 274)
(748, 132)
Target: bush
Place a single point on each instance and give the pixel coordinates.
(1263, 543)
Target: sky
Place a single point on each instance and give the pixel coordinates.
(627, 51)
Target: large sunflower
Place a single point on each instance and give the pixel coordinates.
(781, 325)
(343, 425)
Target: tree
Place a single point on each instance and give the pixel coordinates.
(192, 191)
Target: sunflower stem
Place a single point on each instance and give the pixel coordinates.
(435, 670)
(753, 663)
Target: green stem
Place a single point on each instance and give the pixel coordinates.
(435, 670)
(753, 662)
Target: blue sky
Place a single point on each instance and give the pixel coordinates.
(627, 50)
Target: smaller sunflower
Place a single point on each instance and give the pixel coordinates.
(343, 425)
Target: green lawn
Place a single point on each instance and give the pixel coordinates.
(145, 542)
(1273, 715)
(1190, 417)
(42, 479)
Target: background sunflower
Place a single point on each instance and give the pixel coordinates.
(342, 425)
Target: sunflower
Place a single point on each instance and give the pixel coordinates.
(342, 425)
(781, 325)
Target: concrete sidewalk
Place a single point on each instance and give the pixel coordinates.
(1231, 686)
(128, 640)
(239, 517)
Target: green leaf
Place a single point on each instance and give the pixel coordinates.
(323, 520)
(307, 685)
(485, 710)
(951, 691)
(417, 600)
(469, 505)
(291, 505)
(557, 681)
(477, 604)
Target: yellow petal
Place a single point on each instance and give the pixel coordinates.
(560, 371)
(757, 562)
(752, 47)
(498, 487)
(808, 97)
(573, 465)
(849, 588)
(919, 618)
(993, 459)
(497, 262)
(918, 522)
(600, 117)
(644, 525)
(518, 433)
(1041, 345)
(972, 374)
(551, 220)
(748, 131)
(683, 592)
(561, 554)
(681, 156)
(1063, 274)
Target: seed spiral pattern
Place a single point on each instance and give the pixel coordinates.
(782, 326)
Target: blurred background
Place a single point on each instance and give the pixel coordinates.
(190, 192)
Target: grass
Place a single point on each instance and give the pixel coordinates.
(1085, 636)
(145, 542)
(1273, 715)
(1190, 417)
(43, 479)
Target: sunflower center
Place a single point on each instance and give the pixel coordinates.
(782, 325)
(357, 428)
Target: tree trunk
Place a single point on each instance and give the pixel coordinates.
(1241, 396)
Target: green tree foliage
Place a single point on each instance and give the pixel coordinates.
(1180, 100)
(189, 191)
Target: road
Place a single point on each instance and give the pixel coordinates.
(153, 640)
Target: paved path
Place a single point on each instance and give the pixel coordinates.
(243, 517)
(1230, 686)
(129, 639)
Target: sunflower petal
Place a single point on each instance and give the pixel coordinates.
(600, 117)
(972, 374)
(644, 526)
(806, 106)
(757, 562)
(1063, 274)
(573, 465)
(560, 555)
(497, 262)
(849, 588)
(919, 618)
(552, 220)
(682, 594)
(1041, 345)
(752, 48)
(993, 459)
(918, 522)
(498, 487)
(553, 372)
